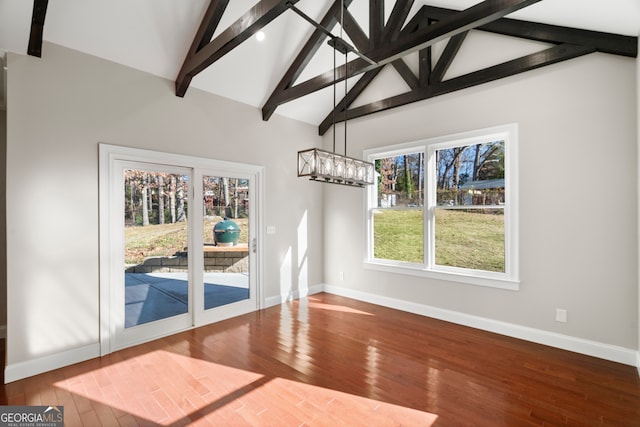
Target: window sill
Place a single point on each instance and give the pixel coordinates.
(419, 271)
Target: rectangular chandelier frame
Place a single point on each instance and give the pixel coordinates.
(325, 166)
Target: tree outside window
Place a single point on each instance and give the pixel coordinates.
(398, 219)
(469, 206)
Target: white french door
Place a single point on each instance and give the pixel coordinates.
(162, 268)
(150, 298)
(226, 284)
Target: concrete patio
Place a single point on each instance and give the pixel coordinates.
(154, 296)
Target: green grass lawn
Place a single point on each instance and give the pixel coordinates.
(167, 239)
(463, 239)
(398, 235)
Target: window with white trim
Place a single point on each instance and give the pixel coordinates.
(447, 208)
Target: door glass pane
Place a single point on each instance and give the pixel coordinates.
(156, 263)
(226, 240)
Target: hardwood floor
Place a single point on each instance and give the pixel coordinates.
(332, 361)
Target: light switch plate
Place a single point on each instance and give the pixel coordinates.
(561, 315)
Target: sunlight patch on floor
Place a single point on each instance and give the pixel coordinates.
(195, 389)
(335, 307)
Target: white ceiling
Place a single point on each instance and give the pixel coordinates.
(154, 36)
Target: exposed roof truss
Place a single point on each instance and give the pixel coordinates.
(389, 43)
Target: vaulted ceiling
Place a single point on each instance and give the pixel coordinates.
(414, 45)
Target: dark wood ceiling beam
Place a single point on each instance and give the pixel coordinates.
(353, 94)
(376, 22)
(425, 62)
(364, 81)
(603, 42)
(549, 56)
(445, 60)
(203, 36)
(34, 47)
(405, 72)
(390, 32)
(479, 14)
(210, 22)
(398, 16)
(355, 32)
(361, 42)
(424, 66)
(251, 22)
(300, 62)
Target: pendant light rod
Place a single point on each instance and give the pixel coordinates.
(334, 103)
(346, 91)
(331, 167)
(335, 42)
(346, 77)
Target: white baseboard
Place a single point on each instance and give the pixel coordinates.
(29, 368)
(565, 342)
(295, 294)
(18, 371)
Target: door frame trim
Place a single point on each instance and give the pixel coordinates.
(108, 156)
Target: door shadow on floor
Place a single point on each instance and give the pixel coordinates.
(155, 296)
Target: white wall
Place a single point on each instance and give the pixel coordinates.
(60, 108)
(3, 234)
(578, 200)
(579, 216)
(638, 236)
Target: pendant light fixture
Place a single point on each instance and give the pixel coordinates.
(330, 166)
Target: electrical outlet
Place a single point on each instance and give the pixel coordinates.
(561, 315)
(342, 275)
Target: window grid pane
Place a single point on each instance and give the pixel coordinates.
(470, 238)
(398, 215)
(398, 234)
(470, 191)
